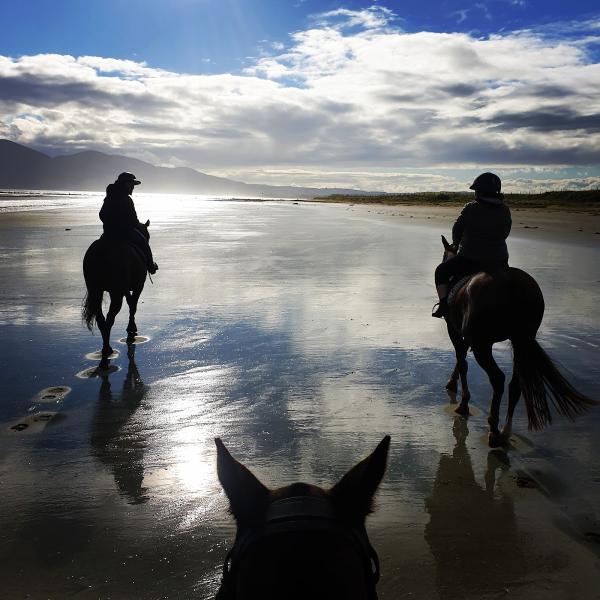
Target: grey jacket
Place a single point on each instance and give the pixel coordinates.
(481, 230)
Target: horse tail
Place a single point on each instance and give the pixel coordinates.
(91, 307)
(541, 381)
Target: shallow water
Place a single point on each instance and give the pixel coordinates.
(300, 335)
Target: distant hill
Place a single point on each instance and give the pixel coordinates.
(24, 168)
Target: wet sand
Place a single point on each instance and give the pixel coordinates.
(547, 225)
(300, 335)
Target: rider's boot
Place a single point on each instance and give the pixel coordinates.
(442, 309)
(152, 268)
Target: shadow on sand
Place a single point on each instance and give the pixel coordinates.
(117, 445)
(472, 532)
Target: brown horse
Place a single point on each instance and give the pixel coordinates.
(507, 305)
(116, 267)
(301, 541)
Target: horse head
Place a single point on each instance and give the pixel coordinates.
(301, 541)
(449, 249)
(143, 229)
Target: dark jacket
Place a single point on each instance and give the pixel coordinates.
(481, 230)
(118, 212)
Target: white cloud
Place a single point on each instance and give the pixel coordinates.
(122, 67)
(557, 185)
(349, 99)
(461, 15)
(374, 17)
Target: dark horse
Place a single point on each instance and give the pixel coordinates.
(301, 541)
(507, 305)
(119, 268)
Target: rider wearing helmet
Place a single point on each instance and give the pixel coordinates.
(479, 235)
(120, 219)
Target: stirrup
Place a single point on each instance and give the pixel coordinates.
(440, 310)
(152, 268)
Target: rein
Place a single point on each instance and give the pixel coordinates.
(293, 515)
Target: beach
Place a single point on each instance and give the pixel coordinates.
(300, 334)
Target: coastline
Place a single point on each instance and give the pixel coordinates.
(531, 220)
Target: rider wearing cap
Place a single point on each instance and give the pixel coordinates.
(120, 219)
(479, 235)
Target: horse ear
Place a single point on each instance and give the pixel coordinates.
(353, 494)
(447, 245)
(147, 223)
(248, 497)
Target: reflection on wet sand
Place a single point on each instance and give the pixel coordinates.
(119, 447)
(472, 531)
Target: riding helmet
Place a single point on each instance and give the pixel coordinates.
(487, 183)
(127, 177)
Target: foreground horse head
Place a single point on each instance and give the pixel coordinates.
(301, 541)
(116, 267)
(507, 305)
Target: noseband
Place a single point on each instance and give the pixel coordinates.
(299, 514)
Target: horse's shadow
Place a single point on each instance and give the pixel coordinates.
(116, 442)
(472, 532)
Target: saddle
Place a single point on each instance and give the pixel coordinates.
(456, 284)
(105, 241)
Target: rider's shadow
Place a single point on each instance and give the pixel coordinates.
(472, 531)
(115, 442)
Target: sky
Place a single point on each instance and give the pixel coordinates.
(389, 95)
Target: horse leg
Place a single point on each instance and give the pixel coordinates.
(514, 393)
(132, 301)
(116, 301)
(460, 370)
(452, 384)
(101, 322)
(485, 359)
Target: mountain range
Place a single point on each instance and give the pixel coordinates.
(24, 168)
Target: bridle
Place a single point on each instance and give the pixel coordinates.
(299, 514)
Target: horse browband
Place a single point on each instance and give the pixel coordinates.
(292, 515)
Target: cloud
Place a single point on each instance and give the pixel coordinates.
(461, 15)
(374, 17)
(557, 185)
(484, 9)
(550, 119)
(351, 93)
